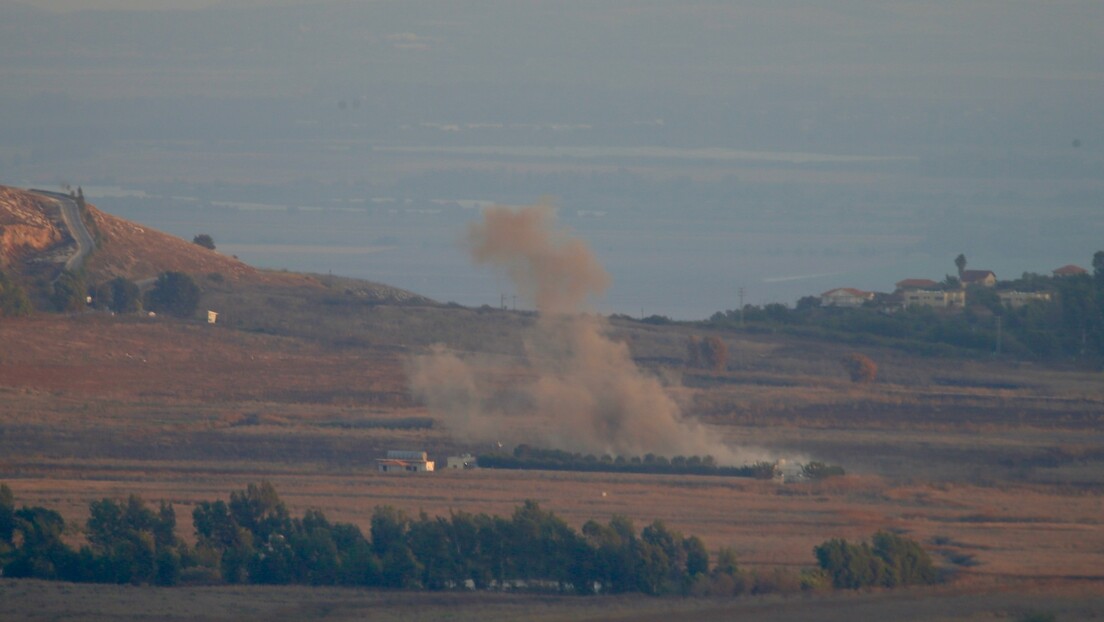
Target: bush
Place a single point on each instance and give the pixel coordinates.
(118, 295)
(174, 293)
(860, 367)
(13, 298)
(204, 240)
(69, 293)
(892, 560)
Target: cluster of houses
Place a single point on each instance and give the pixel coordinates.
(399, 461)
(929, 293)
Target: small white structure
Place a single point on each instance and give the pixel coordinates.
(1015, 299)
(212, 317)
(845, 297)
(465, 461)
(405, 462)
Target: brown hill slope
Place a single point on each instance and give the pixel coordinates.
(33, 237)
(28, 226)
(130, 250)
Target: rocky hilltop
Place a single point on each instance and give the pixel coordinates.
(30, 227)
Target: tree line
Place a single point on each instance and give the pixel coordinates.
(174, 293)
(529, 457)
(253, 539)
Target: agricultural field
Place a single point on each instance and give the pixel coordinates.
(995, 467)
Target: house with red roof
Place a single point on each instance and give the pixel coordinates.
(984, 278)
(1069, 270)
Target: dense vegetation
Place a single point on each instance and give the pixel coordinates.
(174, 293)
(1070, 326)
(528, 457)
(254, 539)
(889, 561)
(13, 298)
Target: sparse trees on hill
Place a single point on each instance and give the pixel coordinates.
(174, 293)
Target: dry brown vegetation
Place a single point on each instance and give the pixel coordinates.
(997, 467)
(999, 483)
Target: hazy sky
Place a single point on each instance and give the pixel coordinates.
(939, 126)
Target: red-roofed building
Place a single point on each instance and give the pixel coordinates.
(985, 278)
(845, 297)
(1069, 270)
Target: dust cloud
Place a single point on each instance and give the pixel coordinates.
(580, 389)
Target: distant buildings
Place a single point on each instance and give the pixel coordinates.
(1016, 299)
(938, 298)
(915, 292)
(845, 297)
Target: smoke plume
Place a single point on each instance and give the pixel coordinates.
(581, 390)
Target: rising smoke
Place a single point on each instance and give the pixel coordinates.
(582, 390)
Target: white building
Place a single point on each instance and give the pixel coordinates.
(404, 461)
(934, 298)
(465, 461)
(845, 297)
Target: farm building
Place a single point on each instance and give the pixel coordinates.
(405, 461)
(466, 461)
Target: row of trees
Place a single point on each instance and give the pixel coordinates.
(254, 539)
(889, 560)
(529, 457)
(174, 293)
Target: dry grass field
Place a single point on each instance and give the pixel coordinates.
(996, 467)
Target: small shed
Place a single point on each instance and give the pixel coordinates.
(464, 461)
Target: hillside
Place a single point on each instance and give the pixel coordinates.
(33, 237)
(130, 250)
(29, 226)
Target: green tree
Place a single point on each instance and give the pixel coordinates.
(7, 516)
(118, 295)
(204, 240)
(174, 293)
(69, 292)
(13, 298)
(960, 263)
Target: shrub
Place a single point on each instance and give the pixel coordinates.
(175, 293)
(204, 240)
(860, 367)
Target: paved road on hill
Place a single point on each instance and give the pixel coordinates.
(70, 214)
